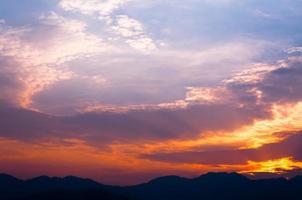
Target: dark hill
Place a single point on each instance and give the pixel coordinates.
(211, 186)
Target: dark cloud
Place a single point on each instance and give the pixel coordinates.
(21, 124)
(168, 124)
(291, 147)
(136, 124)
(284, 84)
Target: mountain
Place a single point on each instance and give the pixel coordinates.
(70, 183)
(211, 186)
(9, 186)
(217, 186)
(208, 186)
(8, 181)
(60, 194)
(45, 187)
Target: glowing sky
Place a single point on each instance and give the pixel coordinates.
(125, 90)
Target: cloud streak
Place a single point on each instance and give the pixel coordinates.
(290, 147)
(131, 30)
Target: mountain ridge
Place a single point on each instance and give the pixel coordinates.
(208, 186)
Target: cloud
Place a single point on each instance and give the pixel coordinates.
(289, 147)
(133, 31)
(137, 124)
(55, 49)
(283, 84)
(145, 80)
(67, 38)
(90, 7)
(242, 102)
(38, 52)
(123, 26)
(269, 84)
(150, 79)
(294, 50)
(263, 87)
(10, 86)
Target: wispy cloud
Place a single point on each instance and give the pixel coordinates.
(129, 29)
(37, 64)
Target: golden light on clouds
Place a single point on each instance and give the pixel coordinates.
(285, 119)
(125, 156)
(277, 166)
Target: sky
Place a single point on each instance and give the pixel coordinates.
(122, 91)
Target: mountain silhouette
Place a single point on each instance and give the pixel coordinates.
(9, 181)
(69, 183)
(45, 187)
(211, 186)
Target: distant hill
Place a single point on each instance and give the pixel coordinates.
(211, 186)
(44, 188)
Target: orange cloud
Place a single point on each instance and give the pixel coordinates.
(277, 166)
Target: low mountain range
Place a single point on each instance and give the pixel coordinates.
(211, 186)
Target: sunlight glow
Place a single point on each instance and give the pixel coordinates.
(277, 166)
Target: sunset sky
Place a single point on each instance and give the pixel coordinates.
(122, 91)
